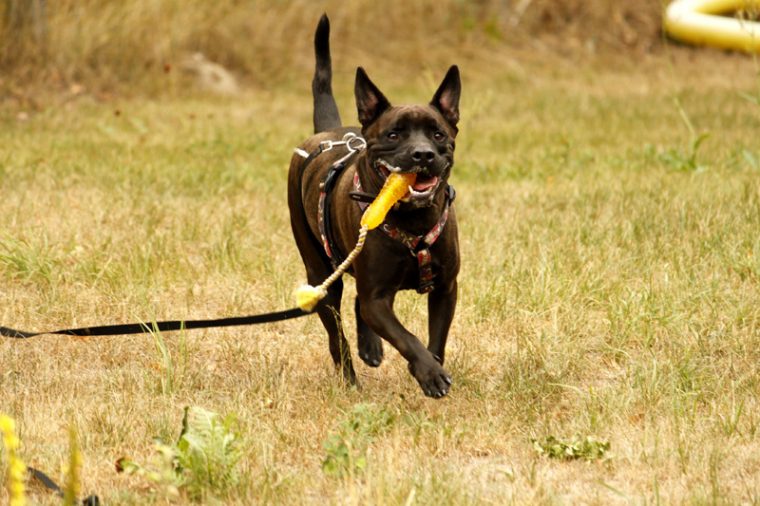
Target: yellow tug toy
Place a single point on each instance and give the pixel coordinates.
(393, 190)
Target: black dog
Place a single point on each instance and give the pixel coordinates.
(417, 245)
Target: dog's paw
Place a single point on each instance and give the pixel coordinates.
(433, 379)
(370, 349)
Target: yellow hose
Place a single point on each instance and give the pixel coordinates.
(699, 22)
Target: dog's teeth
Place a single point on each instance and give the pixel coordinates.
(416, 194)
(388, 166)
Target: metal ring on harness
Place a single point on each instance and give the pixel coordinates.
(359, 143)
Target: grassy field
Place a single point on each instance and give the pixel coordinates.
(609, 217)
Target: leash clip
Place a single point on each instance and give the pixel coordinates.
(353, 143)
(326, 146)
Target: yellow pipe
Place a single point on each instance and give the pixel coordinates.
(698, 22)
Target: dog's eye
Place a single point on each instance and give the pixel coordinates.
(392, 136)
(439, 136)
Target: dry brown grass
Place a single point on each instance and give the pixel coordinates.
(129, 46)
(609, 284)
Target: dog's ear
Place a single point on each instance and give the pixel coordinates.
(370, 101)
(446, 99)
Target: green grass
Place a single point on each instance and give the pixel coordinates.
(609, 289)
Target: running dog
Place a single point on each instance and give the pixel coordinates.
(416, 247)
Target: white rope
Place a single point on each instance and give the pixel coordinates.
(347, 262)
(308, 296)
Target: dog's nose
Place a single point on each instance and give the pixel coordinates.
(423, 155)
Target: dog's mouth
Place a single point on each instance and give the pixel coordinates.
(424, 186)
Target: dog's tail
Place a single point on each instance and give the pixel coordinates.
(326, 114)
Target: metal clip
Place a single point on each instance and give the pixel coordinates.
(354, 142)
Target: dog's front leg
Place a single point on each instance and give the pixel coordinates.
(441, 304)
(377, 312)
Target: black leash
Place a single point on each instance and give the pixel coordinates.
(49, 484)
(163, 326)
(354, 144)
(142, 328)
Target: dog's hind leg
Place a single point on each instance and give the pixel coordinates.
(369, 343)
(318, 268)
(329, 315)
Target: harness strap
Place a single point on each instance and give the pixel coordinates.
(324, 213)
(354, 144)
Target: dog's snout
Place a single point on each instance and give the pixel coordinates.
(423, 155)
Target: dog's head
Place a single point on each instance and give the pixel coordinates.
(410, 138)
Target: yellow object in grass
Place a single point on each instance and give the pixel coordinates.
(393, 190)
(16, 468)
(73, 476)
